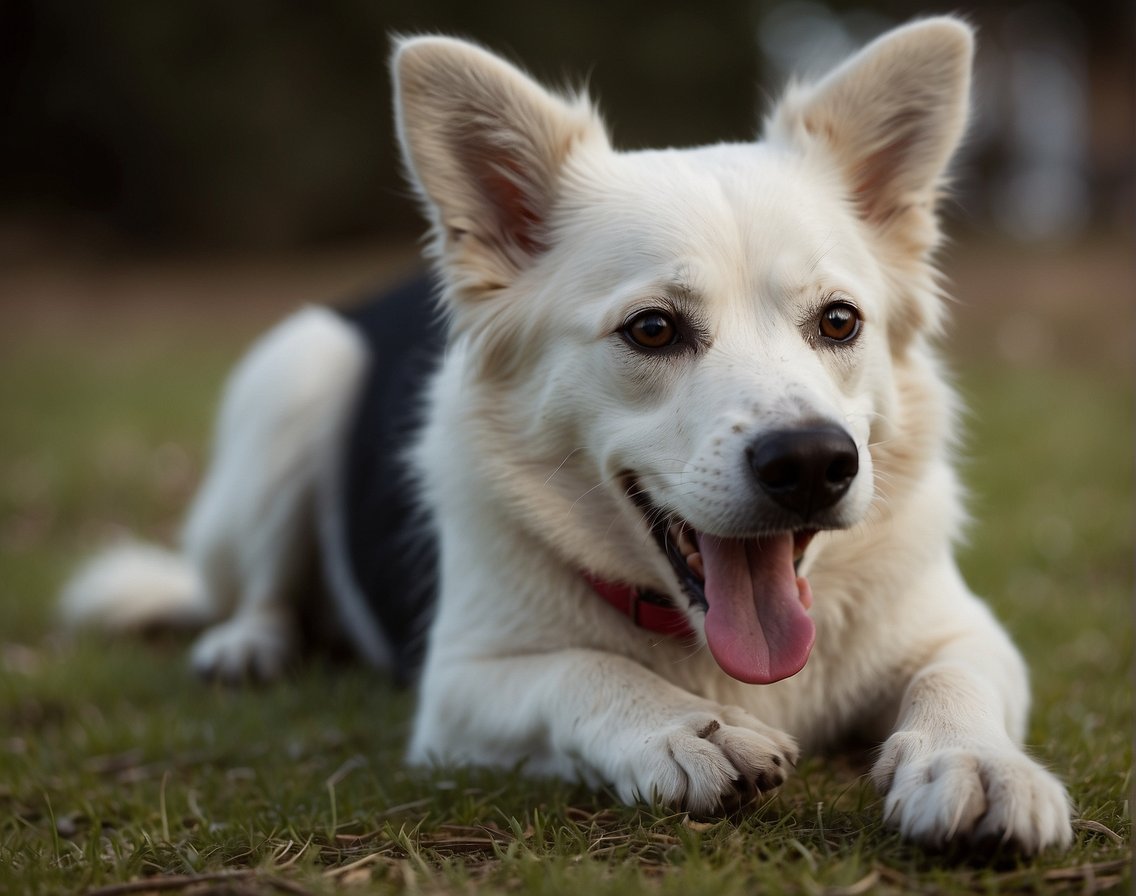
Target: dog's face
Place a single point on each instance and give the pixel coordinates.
(698, 345)
(728, 337)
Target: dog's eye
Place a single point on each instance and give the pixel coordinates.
(651, 329)
(839, 322)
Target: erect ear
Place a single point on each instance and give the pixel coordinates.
(890, 117)
(485, 146)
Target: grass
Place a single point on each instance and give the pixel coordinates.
(115, 765)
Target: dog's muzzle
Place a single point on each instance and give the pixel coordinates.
(756, 604)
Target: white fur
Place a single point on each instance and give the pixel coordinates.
(251, 528)
(525, 663)
(133, 587)
(547, 240)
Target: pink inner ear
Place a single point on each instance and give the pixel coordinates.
(517, 220)
(500, 176)
(885, 174)
(877, 190)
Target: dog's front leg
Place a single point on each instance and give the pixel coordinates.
(954, 769)
(603, 717)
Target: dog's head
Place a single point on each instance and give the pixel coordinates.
(700, 344)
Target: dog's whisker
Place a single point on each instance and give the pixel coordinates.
(692, 649)
(598, 485)
(560, 466)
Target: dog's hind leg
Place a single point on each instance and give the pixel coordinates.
(250, 533)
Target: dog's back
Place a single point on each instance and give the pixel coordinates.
(379, 546)
(310, 486)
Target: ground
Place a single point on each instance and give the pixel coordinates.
(115, 765)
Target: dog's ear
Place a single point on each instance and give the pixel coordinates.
(485, 146)
(890, 117)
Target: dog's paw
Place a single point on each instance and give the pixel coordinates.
(244, 648)
(706, 761)
(975, 795)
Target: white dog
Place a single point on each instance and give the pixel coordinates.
(676, 498)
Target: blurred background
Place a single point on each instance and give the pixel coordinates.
(265, 124)
(261, 130)
(177, 175)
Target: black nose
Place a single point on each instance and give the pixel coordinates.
(805, 470)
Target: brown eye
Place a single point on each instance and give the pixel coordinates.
(839, 322)
(651, 329)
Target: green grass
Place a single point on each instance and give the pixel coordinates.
(115, 764)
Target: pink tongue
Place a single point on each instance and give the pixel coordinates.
(756, 623)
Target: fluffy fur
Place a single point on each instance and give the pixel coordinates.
(553, 443)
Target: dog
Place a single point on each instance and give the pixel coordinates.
(651, 483)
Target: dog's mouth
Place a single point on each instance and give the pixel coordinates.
(756, 624)
(681, 543)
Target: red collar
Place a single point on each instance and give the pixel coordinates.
(646, 609)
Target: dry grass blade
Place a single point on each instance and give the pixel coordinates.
(175, 882)
(864, 885)
(1087, 824)
(374, 858)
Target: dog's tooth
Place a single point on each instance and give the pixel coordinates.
(680, 538)
(694, 561)
(689, 545)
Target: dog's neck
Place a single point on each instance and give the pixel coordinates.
(647, 609)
